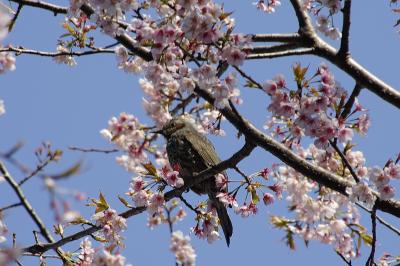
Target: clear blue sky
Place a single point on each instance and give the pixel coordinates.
(69, 106)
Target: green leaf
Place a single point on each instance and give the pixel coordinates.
(368, 239)
(124, 201)
(151, 170)
(254, 197)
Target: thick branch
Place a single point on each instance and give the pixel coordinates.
(287, 156)
(344, 44)
(305, 25)
(203, 175)
(349, 65)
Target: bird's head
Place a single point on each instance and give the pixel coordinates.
(173, 126)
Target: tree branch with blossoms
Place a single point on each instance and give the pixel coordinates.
(184, 56)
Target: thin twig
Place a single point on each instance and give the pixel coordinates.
(28, 207)
(14, 19)
(73, 148)
(55, 54)
(381, 220)
(345, 161)
(10, 206)
(39, 168)
(371, 258)
(189, 205)
(349, 104)
(348, 262)
(248, 77)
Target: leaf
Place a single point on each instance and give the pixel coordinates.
(79, 220)
(124, 201)
(279, 222)
(250, 84)
(101, 204)
(59, 229)
(151, 170)
(290, 240)
(74, 169)
(368, 239)
(224, 15)
(299, 72)
(57, 155)
(254, 197)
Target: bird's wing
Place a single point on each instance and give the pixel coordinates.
(204, 148)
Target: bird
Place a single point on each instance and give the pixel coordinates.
(192, 153)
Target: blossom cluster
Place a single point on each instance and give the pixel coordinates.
(320, 213)
(112, 226)
(313, 111)
(324, 22)
(88, 256)
(7, 59)
(127, 133)
(207, 224)
(183, 250)
(268, 6)
(3, 231)
(2, 107)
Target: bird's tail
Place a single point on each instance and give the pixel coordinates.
(223, 216)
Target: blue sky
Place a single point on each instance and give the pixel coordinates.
(69, 106)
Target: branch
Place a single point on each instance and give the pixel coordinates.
(345, 161)
(287, 156)
(305, 26)
(10, 206)
(73, 148)
(14, 19)
(344, 43)
(21, 50)
(349, 104)
(273, 48)
(381, 220)
(299, 51)
(28, 207)
(308, 38)
(349, 65)
(43, 5)
(370, 261)
(279, 37)
(203, 175)
(316, 173)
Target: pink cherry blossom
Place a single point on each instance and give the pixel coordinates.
(181, 247)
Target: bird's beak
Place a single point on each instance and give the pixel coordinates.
(157, 132)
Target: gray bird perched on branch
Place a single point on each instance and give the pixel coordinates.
(192, 153)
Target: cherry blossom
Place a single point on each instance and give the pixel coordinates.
(104, 257)
(64, 59)
(2, 107)
(7, 62)
(86, 253)
(5, 19)
(112, 226)
(184, 252)
(3, 231)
